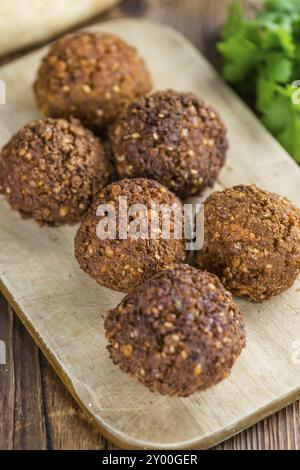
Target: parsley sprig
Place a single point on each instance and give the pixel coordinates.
(261, 59)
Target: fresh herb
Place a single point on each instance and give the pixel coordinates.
(261, 59)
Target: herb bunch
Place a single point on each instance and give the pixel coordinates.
(261, 59)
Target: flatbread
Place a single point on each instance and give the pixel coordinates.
(26, 22)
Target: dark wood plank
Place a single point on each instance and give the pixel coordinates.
(278, 432)
(29, 418)
(198, 20)
(22, 424)
(67, 427)
(7, 379)
(36, 411)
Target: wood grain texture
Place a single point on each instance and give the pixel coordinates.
(281, 431)
(23, 423)
(198, 20)
(36, 411)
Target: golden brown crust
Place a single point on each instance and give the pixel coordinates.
(178, 333)
(90, 76)
(124, 264)
(252, 241)
(51, 169)
(174, 138)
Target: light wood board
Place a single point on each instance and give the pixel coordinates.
(63, 309)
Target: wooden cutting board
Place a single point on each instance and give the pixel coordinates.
(63, 309)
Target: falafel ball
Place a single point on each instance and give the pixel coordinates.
(174, 138)
(251, 241)
(90, 76)
(178, 333)
(51, 169)
(124, 258)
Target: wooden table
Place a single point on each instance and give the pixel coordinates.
(36, 411)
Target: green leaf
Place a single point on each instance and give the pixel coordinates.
(241, 56)
(282, 118)
(265, 93)
(276, 116)
(235, 20)
(290, 136)
(295, 151)
(275, 32)
(283, 6)
(277, 67)
(277, 39)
